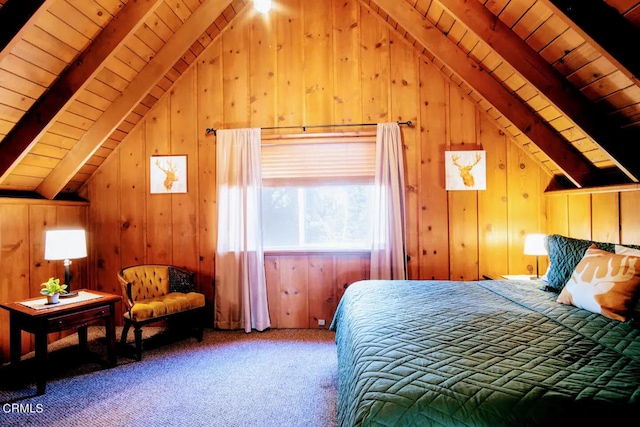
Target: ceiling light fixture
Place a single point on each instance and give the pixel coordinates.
(262, 6)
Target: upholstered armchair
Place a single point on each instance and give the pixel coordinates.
(155, 292)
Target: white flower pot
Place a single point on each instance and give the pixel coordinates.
(53, 299)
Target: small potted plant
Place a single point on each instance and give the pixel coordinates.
(52, 289)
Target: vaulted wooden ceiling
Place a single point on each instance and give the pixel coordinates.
(559, 76)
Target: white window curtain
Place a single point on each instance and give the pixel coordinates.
(388, 255)
(241, 289)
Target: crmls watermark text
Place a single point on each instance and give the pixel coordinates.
(22, 408)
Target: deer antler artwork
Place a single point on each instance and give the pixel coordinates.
(169, 172)
(592, 280)
(465, 170)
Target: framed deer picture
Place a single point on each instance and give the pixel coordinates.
(168, 174)
(465, 170)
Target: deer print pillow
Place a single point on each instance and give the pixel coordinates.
(605, 283)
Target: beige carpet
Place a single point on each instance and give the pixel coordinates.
(284, 377)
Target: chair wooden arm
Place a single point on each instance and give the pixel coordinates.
(126, 291)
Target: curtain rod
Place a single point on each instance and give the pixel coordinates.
(304, 128)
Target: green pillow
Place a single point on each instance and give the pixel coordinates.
(564, 255)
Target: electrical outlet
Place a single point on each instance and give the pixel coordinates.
(320, 322)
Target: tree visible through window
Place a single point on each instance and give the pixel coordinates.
(317, 217)
(318, 195)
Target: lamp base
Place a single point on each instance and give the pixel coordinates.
(70, 294)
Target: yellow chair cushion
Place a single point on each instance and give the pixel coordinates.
(171, 303)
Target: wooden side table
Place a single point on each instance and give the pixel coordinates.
(41, 322)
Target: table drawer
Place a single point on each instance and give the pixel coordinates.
(79, 318)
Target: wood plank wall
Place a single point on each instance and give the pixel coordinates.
(311, 63)
(22, 264)
(602, 217)
(316, 63)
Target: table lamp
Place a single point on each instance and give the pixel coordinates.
(535, 244)
(65, 244)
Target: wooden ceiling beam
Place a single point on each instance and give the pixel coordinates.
(537, 71)
(14, 16)
(572, 164)
(26, 133)
(137, 89)
(603, 27)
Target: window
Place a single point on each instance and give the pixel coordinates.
(317, 192)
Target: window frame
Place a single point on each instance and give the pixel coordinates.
(368, 137)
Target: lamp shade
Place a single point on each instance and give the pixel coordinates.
(65, 244)
(535, 244)
(262, 6)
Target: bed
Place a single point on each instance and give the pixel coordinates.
(485, 353)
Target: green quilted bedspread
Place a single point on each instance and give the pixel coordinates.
(489, 353)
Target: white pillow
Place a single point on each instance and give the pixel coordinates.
(604, 283)
(623, 250)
